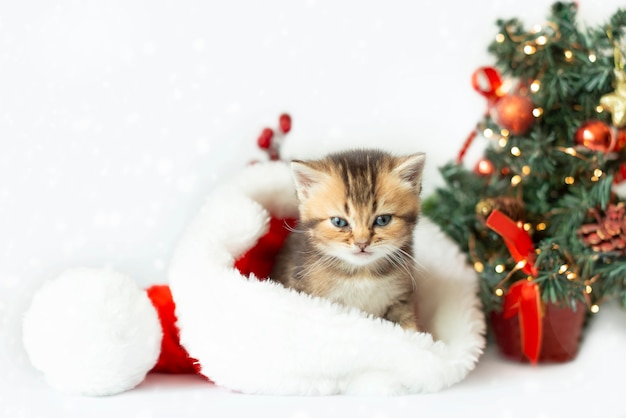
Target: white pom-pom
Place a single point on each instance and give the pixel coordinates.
(92, 332)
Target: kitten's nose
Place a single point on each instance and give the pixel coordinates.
(362, 245)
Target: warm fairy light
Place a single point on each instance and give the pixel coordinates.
(505, 132)
(502, 142)
(542, 40)
(537, 112)
(594, 309)
(563, 268)
(500, 38)
(526, 170)
(588, 289)
(487, 133)
(515, 151)
(571, 151)
(499, 292)
(499, 268)
(592, 57)
(521, 264)
(569, 180)
(529, 49)
(569, 55)
(479, 267)
(537, 28)
(541, 226)
(527, 227)
(516, 179)
(571, 276)
(597, 173)
(535, 86)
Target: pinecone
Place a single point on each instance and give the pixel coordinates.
(608, 233)
(510, 206)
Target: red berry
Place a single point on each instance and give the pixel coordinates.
(285, 123)
(265, 139)
(274, 156)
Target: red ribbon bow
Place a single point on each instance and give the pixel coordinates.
(487, 82)
(516, 238)
(523, 297)
(524, 300)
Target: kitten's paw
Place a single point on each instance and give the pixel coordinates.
(409, 326)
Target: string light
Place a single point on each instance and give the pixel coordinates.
(535, 86)
(500, 38)
(527, 227)
(499, 292)
(592, 57)
(499, 268)
(563, 268)
(597, 173)
(479, 267)
(541, 226)
(529, 49)
(502, 142)
(526, 170)
(516, 152)
(588, 289)
(542, 40)
(599, 109)
(537, 112)
(505, 132)
(516, 179)
(571, 276)
(569, 180)
(594, 309)
(571, 151)
(569, 55)
(488, 133)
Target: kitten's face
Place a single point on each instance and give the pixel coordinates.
(360, 206)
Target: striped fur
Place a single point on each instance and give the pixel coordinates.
(362, 264)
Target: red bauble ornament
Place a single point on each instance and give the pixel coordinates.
(595, 135)
(265, 139)
(284, 121)
(515, 113)
(484, 167)
(620, 140)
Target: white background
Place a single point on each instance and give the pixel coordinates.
(118, 117)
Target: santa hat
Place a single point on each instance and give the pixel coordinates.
(95, 332)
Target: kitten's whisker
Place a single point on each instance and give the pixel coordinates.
(292, 229)
(401, 259)
(322, 263)
(416, 261)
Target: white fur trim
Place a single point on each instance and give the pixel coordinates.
(258, 337)
(92, 332)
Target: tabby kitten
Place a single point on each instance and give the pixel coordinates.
(354, 240)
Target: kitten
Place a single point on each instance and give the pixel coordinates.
(354, 240)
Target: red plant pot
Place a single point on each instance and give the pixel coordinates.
(562, 331)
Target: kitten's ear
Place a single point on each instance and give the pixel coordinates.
(410, 169)
(306, 178)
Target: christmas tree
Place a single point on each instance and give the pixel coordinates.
(539, 209)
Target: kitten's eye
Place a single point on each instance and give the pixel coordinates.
(382, 220)
(338, 222)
